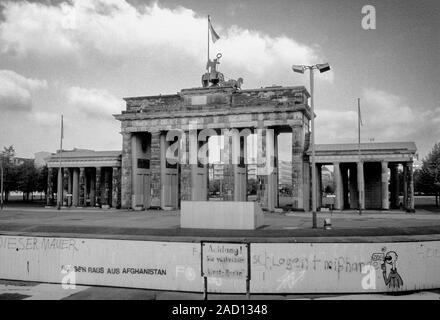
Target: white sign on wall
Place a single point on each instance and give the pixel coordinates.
(225, 260)
(121, 263)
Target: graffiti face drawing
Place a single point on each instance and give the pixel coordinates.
(393, 279)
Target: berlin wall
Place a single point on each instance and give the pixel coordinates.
(273, 267)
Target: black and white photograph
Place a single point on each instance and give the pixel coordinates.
(245, 152)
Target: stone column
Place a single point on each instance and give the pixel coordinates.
(267, 168)
(92, 188)
(164, 175)
(361, 184)
(60, 186)
(137, 179)
(298, 168)
(169, 172)
(75, 191)
(185, 169)
(385, 194)
(65, 185)
(49, 193)
(345, 186)
(394, 177)
(228, 182)
(116, 181)
(353, 186)
(193, 148)
(106, 193)
(262, 164)
(126, 174)
(86, 186)
(98, 187)
(272, 149)
(69, 187)
(318, 186)
(155, 183)
(239, 151)
(405, 186)
(410, 188)
(82, 187)
(339, 189)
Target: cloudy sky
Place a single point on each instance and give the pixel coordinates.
(81, 57)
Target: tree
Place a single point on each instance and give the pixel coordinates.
(428, 179)
(41, 185)
(27, 179)
(24, 177)
(10, 171)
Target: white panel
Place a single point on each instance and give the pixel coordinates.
(168, 265)
(337, 267)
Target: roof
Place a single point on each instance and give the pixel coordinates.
(220, 88)
(375, 146)
(85, 158)
(86, 154)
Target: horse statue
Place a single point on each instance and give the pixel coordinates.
(233, 83)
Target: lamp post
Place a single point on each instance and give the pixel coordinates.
(300, 69)
(1, 181)
(60, 173)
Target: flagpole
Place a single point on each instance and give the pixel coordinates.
(60, 177)
(208, 36)
(359, 151)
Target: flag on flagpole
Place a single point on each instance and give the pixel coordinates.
(214, 35)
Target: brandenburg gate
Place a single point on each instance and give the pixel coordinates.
(165, 155)
(150, 180)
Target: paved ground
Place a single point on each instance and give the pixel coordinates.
(156, 224)
(20, 290)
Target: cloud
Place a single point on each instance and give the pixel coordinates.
(116, 29)
(336, 126)
(386, 117)
(93, 102)
(16, 91)
(43, 118)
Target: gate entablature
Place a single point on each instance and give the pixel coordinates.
(217, 107)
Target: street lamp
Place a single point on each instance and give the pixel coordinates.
(323, 67)
(1, 181)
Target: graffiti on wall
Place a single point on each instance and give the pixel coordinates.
(275, 267)
(71, 261)
(388, 265)
(344, 267)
